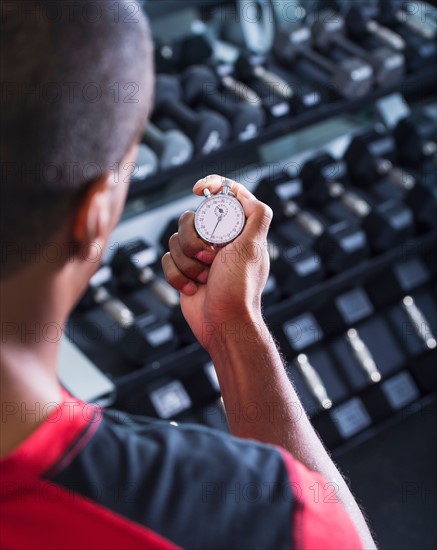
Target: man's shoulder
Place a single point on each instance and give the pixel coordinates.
(181, 441)
(194, 485)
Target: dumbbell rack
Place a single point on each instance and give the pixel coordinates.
(190, 363)
(420, 83)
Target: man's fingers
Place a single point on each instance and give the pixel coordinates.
(175, 277)
(190, 267)
(214, 183)
(191, 244)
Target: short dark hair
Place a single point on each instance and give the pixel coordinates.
(76, 86)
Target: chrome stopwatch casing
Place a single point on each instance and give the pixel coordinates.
(220, 218)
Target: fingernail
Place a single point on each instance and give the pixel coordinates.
(202, 181)
(189, 289)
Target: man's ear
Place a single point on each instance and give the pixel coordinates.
(92, 219)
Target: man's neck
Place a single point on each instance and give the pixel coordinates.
(30, 313)
(26, 390)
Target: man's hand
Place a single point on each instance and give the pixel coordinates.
(220, 285)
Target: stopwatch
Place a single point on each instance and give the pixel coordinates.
(220, 218)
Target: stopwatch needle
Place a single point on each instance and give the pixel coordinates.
(218, 221)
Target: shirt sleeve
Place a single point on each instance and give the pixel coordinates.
(319, 521)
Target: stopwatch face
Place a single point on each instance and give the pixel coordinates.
(219, 219)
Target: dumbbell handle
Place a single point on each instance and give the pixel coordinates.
(389, 37)
(154, 136)
(420, 323)
(180, 113)
(313, 381)
(351, 200)
(306, 220)
(241, 90)
(274, 82)
(394, 174)
(363, 355)
(350, 47)
(217, 102)
(163, 290)
(113, 307)
(415, 25)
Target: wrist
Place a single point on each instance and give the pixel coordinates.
(222, 336)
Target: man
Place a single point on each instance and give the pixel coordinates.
(76, 95)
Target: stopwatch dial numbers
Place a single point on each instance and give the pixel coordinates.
(220, 219)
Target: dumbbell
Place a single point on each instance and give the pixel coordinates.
(363, 355)
(256, 93)
(133, 264)
(176, 55)
(144, 336)
(386, 224)
(328, 31)
(350, 78)
(250, 66)
(201, 85)
(361, 20)
(416, 139)
(313, 381)
(369, 159)
(173, 147)
(208, 131)
(146, 163)
(392, 12)
(340, 245)
(291, 88)
(295, 267)
(420, 11)
(225, 72)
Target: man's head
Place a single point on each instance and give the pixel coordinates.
(77, 82)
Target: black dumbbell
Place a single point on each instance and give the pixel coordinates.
(172, 147)
(285, 85)
(254, 93)
(146, 163)
(201, 85)
(143, 337)
(361, 20)
(387, 224)
(180, 53)
(416, 139)
(370, 158)
(341, 245)
(134, 263)
(294, 267)
(225, 72)
(253, 66)
(329, 32)
(350, 78)
(392, 13)
(418, 52)
(208, 131)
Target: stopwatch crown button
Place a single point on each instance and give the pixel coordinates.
(207, 193)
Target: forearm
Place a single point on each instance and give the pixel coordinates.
(262, 404)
